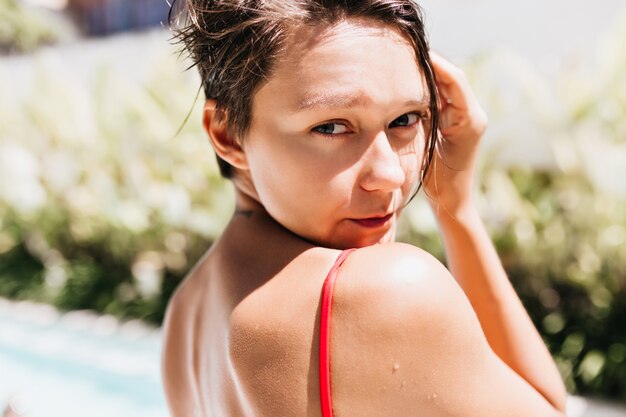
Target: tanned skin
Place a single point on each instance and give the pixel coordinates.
(337, 136)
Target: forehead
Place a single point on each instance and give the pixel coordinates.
(354, 62)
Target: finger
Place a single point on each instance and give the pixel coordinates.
(444, 95)
(451, 98)
(443, 68)
(446, 71)
(453, 90)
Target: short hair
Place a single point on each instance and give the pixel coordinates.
(234, 44)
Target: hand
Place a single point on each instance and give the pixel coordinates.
(462, 122)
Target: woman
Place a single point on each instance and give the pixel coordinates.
(325, 115)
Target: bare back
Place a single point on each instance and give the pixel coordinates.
(242, 337)
(247, 347)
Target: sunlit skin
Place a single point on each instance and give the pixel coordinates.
(337, 136)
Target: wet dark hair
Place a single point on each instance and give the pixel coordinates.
(234, 44)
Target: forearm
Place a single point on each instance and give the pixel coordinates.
(474, 262)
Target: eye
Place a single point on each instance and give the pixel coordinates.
(408, 119)
(331, 129)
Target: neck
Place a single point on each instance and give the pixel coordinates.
(248, 206)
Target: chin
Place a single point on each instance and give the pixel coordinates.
(388, 237)
(348, 240)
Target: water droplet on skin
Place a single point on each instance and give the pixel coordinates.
(396, 366)
(402, 384)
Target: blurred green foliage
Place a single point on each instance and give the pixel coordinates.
(102, 207)
(567, 261)
(22, 29)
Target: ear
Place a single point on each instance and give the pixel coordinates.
(226, 146)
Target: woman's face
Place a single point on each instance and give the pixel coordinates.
(337, 133)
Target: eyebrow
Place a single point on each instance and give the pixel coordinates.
(345, 101)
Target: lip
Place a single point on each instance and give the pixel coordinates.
(373, 222)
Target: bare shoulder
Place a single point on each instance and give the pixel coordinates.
(405, 337)
(401, 289)
(395, 271)
(177, 309)
(177, 338)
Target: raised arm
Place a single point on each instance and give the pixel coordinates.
(472, 258)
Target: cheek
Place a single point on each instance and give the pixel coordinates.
(291, 177)
(411, 157)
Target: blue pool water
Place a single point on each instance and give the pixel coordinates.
(78, 364)
(83, 365)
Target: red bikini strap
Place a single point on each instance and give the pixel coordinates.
(324, 356)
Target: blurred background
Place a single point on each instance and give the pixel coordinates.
(107, 196)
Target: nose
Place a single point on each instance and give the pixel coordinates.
(382, 166)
